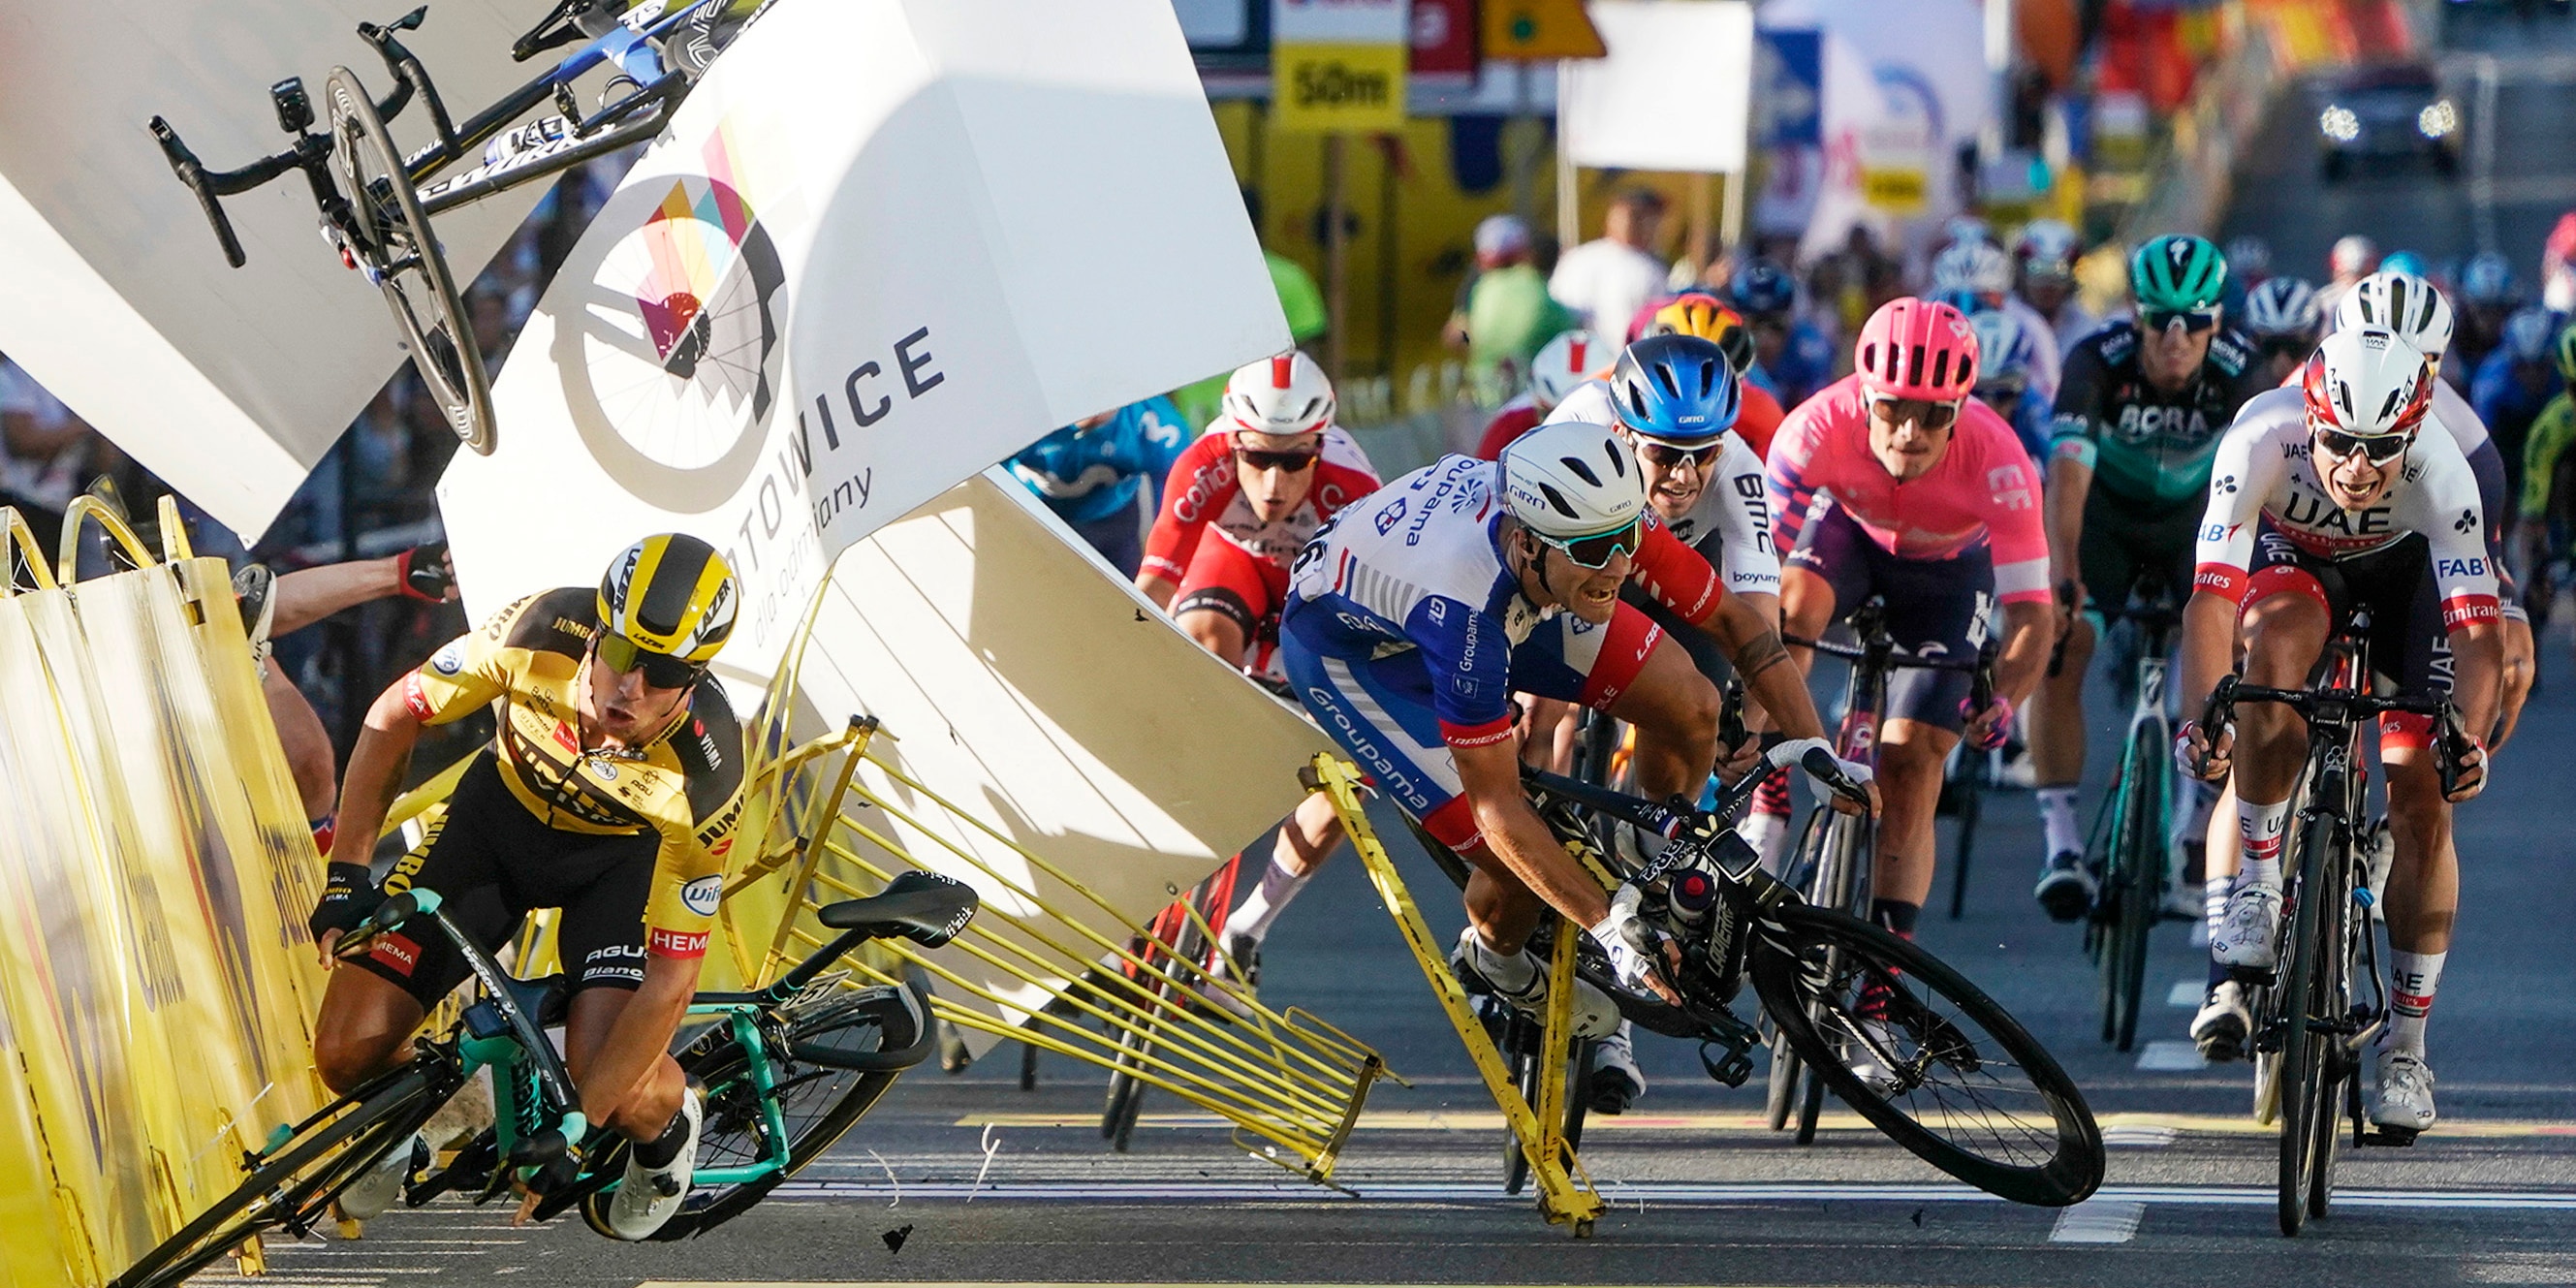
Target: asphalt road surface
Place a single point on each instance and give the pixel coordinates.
(967, 1178)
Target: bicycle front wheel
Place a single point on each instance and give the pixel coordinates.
(1956, 1080)
(2310, 1060)
(2137, 875)
(291, 1185)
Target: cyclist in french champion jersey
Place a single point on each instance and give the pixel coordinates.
(1560, 366)
(1893, 482)
(1415, 616)
(2324, 500)
(2145, 401)
(1271, 471)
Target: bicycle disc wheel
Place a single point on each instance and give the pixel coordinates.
(407, 264)
(292, 1186)
(1967, 1090)
(2303, 1078)
(818, 1101)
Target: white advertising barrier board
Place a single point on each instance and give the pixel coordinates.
(1048, 700)
(1929, 61)
(1674, 94)
(885, 244)
(231, 383)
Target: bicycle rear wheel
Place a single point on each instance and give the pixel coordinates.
(292, 1184)
(1970, 1092)
(405, 261)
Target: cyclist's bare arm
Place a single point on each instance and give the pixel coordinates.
(1491, 775)
(1774, 682)
(377, 767)
(2029, 630)
(2208, 654)
(308, 595)
(1155, 587)
(2477, 685)
(2070, 481)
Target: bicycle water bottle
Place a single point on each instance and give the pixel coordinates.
(1692, 894)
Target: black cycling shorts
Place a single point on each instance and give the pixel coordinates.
(2410, 648)
(1934, 608)
(492, 862)
(2123, 538)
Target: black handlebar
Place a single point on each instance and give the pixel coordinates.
(409, 76)
(193, 173)
(2449, 746)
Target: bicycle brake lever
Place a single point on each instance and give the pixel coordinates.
(1730, 716)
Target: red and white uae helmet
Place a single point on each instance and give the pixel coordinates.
(2368, 383)
(1287, 394)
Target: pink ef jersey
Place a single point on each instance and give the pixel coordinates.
(1984, 488)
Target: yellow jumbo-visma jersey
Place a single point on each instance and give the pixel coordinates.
(685, 785)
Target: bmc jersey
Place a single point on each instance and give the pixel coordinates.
(1205, 488)
(686, 784)
(1984, 488)
(1419, 566)
(1730, 523)
(2262, 471)
(2145, 446)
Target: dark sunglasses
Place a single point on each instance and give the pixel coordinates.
(1897, 411)
(2192, 321)
(1293, 462)
(1666, 457)
(661, 670)
(2381, 449)
(1596, 552)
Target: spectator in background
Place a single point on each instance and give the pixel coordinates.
(2352, 259)
(44, 449)
(1101, 475)
(1608, 279)
(1504, 312)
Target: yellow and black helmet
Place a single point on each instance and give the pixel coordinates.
(669, 595)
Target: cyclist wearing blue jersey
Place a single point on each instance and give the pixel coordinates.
(1415, 615)
(1091, 471)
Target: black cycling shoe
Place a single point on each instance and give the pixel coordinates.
(2065, 888)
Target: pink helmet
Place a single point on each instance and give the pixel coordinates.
(1915, 348)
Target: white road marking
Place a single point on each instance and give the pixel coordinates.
(2098, 1221)
(2186, 993)
(2171, 1055)
(1687, 1194)
(2139, 1135)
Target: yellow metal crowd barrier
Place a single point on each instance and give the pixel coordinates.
(156, 979)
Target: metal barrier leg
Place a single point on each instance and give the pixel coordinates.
(1566, 1196)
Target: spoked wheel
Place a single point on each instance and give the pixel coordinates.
(1955, 1079)
(1521, 1056)
(1788, 1072)
(402, 257)
(291, 1185)
(2137, 873)
(1834, 880)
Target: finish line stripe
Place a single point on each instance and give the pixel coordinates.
(1712, 1194)
(1491, 1121)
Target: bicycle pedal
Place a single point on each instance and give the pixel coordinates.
(2254, 977)
(2390, 1137)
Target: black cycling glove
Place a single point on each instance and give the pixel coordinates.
(349, 894)
(424, 572)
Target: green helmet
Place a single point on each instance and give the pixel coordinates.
(2566, 348)
(2178, 274)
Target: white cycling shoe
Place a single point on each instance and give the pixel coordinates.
(1617, 1082)
(377, 1187)
(647, 1196)
(2218, 1031)
(2245, 936)
(1595, 1015)
(2405, 1099)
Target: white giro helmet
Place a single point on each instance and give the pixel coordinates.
(2403, 303)
(1982, 267)
(1567, 480)
(1287, 394)
(2367, 382)
(1566, 362)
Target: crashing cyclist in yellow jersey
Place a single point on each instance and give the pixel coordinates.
(611, 793)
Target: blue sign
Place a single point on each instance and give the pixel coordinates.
(1788, 88)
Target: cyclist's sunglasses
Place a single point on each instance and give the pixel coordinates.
(2342, 446)
(1931, 415)
(661, 670)
(1259, 459)
(2192, 321)
(1664, 456)
(1596, 552)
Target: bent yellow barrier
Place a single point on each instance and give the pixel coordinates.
(155, 977)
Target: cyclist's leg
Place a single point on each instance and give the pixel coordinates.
(1935, 608)
(2286, 618)
(602, 888)
(1306, 838)
(2423, 882)
(2107, 566)
(1823, 574)
(1221, 598)
(308, 752)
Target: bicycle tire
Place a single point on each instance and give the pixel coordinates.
(1518, 1060)
(1811, 1104)
(1838, 884)
(1801, 872)
(379, 189)
(310, 1168)
(2139, 868)
(1972, 807)
(843, 1025)
(2068, 1152)
(2302, 1047)
(2332, 998)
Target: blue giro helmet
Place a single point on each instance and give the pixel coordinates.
(1676, 389)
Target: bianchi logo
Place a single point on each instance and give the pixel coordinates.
(679, 336)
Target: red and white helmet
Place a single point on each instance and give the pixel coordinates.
(2366, 382)
(1915, 348)
(1287, 394)
(1565, 362)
